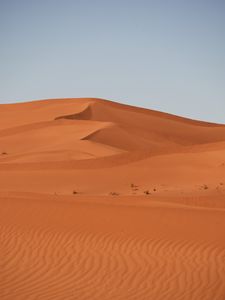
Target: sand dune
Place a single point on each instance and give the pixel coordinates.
(100, 200)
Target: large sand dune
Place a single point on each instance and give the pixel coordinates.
(100, 200)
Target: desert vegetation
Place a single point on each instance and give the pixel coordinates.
(114, 194)
(147, 192)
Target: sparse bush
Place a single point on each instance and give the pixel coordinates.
(114, 194)
(133, 186)
(4, 153)
(205, 187)
(154, 190)
(75, 192)
(147, 192)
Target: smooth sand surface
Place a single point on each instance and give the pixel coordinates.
(100, 200)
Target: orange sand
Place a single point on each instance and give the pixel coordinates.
(100, 200)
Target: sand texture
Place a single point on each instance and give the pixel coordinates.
(105, 201)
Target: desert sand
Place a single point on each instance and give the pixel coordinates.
(100, 200)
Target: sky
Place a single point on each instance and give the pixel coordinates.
(158, 54)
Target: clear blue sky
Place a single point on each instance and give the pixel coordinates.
(167, 55)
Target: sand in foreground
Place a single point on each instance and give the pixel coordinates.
(66, 248)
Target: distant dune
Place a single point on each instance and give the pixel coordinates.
(101, 200)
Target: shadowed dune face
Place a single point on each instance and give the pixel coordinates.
(149, 128)
(100, 200)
